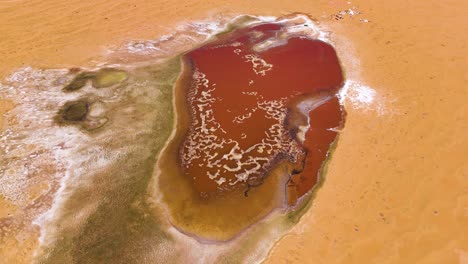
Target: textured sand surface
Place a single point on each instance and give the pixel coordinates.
(395, 191)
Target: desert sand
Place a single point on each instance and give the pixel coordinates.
(396, 186)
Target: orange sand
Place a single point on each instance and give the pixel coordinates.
(395, 191)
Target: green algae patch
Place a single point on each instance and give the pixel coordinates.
(107, 77)
(78, 82)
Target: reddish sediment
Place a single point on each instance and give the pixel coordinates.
(244, 95)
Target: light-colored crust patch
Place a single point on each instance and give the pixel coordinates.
(5, 106)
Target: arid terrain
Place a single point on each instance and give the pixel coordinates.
(395, 190)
